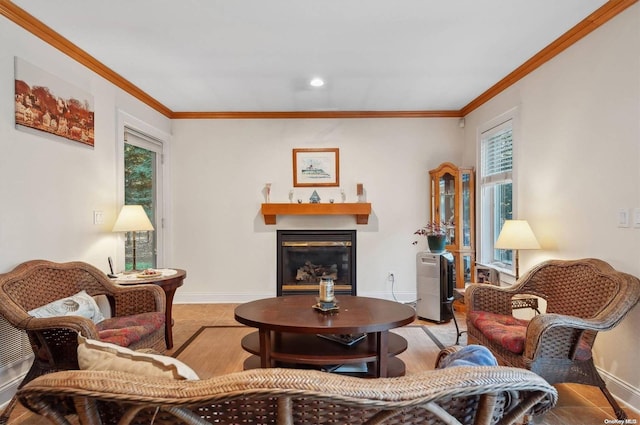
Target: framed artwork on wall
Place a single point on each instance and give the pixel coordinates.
(49, 104)
(316, 167)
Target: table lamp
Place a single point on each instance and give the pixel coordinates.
(516, 235)
(133, 218)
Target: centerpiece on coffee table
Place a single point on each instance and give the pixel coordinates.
(326, 300)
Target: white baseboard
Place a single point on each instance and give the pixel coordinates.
(218, 298)
(622, 391)
(6, 393)
(11, 379)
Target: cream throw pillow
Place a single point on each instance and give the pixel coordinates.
(80, 304)
(103, 305)
(98, 355)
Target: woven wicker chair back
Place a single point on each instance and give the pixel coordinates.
(576, 289)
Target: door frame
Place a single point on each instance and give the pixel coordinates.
(162, 230)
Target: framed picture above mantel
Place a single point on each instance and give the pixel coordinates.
(316, 167)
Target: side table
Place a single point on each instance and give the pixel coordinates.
(525, 301)
(170, 280)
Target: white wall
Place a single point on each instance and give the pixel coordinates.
(220, 170)
(577, 161)
(50, 186)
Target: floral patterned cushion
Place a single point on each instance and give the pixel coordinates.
(510, 333)
(127, 330)
(507, 331)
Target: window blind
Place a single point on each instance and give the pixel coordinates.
(135, 137)
(497, 154)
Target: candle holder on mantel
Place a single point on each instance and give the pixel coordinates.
(267, 192)
(360, 192)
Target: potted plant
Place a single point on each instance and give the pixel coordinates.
(436, 234)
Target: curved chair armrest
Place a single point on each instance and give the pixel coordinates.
(549, 320)
(74, 323)
(605, 320)
(559, 331)
(484, 297)
(54, 342)
(146, 298)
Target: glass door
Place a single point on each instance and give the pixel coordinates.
(142, 182)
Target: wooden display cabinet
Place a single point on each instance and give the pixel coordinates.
(452, 204)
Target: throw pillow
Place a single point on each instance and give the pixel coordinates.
(103, 305)
(80, 304)
(98, 355)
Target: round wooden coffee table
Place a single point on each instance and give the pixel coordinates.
(288, 329)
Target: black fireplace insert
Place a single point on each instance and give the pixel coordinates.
(304, 256)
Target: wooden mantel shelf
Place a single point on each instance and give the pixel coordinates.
(360, 210)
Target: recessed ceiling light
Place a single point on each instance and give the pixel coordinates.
(316, 82)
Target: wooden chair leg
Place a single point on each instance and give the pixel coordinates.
(620, 414)
(6, 413)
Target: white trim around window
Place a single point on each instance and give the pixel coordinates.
(485, 222)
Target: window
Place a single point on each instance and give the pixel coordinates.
(142, 186)
(496, 190)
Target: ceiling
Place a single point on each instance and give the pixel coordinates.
(259, 55)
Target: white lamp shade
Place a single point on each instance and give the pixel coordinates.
(516, 234)
(132, 218)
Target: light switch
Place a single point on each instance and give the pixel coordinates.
(98, 217)
(636, 217)
(623, 217)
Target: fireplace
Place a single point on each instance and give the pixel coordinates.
(304, 256)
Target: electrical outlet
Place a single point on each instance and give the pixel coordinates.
(636, 217)
(391, 276)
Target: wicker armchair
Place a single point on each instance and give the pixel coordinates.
(583, 297)
(468, 395)
(54, 340)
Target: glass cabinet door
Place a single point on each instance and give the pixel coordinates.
(465, 221)
(447, 186)
(467, 265)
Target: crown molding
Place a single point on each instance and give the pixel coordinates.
(36, 27)
(315, 114)
(605, 13)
